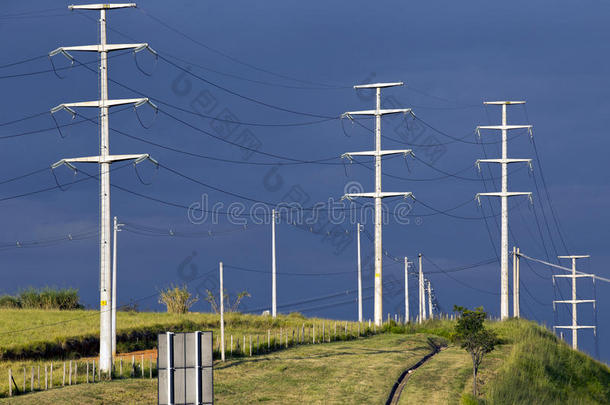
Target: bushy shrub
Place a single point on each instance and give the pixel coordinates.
(178, 300)
(8, 301)
(45, 298)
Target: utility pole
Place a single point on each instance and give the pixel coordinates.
(574, 301)
(504, 194)
(406, 290)
(516, 298)
(359, 277)
(273, 268)
(378, 195)
(104, 160)
(430, 300)
(421, 291)
(116, 228)
(222, 316)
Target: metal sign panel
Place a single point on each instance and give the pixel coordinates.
(185, 365)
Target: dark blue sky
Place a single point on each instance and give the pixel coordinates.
(451, 57)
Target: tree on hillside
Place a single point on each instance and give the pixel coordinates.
(472, 336)
(211, 298)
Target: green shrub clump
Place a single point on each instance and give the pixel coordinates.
(45, 298)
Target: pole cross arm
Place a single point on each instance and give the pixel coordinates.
(350, 196)
(573, 301)
(137, 102)
(386, 111)
(502, 161)
(501, 194)
(99, 48)
(405, 152)
(378, 85)
(507, 127)
(575, 327)
(100, 159)
(573, 275)
(100, 6)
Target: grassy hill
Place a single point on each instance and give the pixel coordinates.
(530, 366)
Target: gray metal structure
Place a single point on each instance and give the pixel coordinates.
(185, 364)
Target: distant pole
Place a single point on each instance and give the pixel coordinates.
(359, 278)
(430, 300)
(406, 290)
(515, 281)
(421, 291)
(518, 284)
(574, 301)
(504, 194)
(222, 318)
(273, 267)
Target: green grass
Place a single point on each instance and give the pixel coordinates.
(360, 371)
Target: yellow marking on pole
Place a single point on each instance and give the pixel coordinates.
(103, 303)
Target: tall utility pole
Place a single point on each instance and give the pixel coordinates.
(359, 277)
(273, 268)
(406, 290)
(430, 300)
(574, 301)
(516, 282)
(421, 291)
(378, 194)
(222, 315)
(504, 194)
(104, 160)
(116, 228)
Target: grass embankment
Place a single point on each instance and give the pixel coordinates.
(530, 366)
(35, 334)
(360, 371)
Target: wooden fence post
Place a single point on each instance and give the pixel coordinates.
(24, 386)
(93, 372)
(10, 382)
(46, 378)
(150, 366)
(32, 380)
(70, 376)
(51, 376)
(268, 339)
(76, 372)
(250, 345)
(87, 371)
(121, 367)
(257, 344)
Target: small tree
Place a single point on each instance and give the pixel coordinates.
(472, 335)
(178, 300)
(211, 298)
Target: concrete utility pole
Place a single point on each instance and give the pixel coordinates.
(430, 301)
(117, 228)
(104, 160)
(378, 194)
(222, 316)
(574, 301)
(406, 290)
(273, 268)
(516, 298)
(422, 306)
(504, 194)
(359, 277)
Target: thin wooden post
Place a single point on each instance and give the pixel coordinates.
(142, 364)
(32, 381)
(243, 348)
(345, 331)
(121, 367)
(257, 344)
(39, 377)
(231, 350)
(323, 332)
(24, 386)
(76, 372)
(99, 372)
(314, 334)
(93, 372)
(133, 365)
(46, 378)
(293, 337)
(268, 339)
(10, 382)
(70, 375)
(250, 345)
(335, 330)
(150, 366)
(51, 376)
(63, 381)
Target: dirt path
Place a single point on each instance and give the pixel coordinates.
(402, 380)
